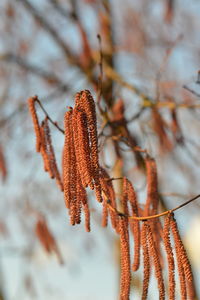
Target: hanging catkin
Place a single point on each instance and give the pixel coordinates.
(184, 267)
(134, 224)
(43, 151)
(125, 279)
(146, 262)
(152, 186)
(46, 238)
(82, 148)
(156, 261)
(85, 102)
(69, 165)
(108, 196)
(31, 104)
(170, 258)
(52, 165)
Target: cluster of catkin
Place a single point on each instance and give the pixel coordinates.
(152, 233)
(80, 156)
(81, 170)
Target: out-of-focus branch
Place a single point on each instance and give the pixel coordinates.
(49, 76)
(191, 91)
(70, 56)
(63, 12)
(48, 28)
(47, 115)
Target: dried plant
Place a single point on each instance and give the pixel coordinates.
(81, 170)
(147, 121)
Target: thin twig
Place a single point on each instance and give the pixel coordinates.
(47, 115)
(153, 216)
(191, 91)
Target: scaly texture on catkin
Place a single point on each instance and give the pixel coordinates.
(69, 168)
(82, 147)
(31, 104)
(156, 261)
(152, 186)
(108, 196)
(146, 262)
(184, 267)
(48, 147)
(134, 224)
(170, 258)
(125, 279)
(85, 102)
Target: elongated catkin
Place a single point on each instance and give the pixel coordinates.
(170, 258)
(31, 104)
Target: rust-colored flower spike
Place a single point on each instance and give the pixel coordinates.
(125, 279)
(124, 200)
(146, 262)
(156, 261)
(46, 238)
(152, 186)
(104, 221)
(85, 102)
(129, 195)
(32, 109)
(81, 197)
(170, 258)
(43, 151)
(184, 267)
(108, 196)
(82, 147)
(87, 217)
(69, 165)
(48, 147)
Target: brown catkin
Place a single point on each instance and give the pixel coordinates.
(82, 147)
(170, 258)
(125, 279)
(184, 258)
(124, 200)
(73, 182)
(184, 267)
(104, 221)
(43, 149)
(157, 230)
(87, 217)
(85, 102)
(51, 155)
(109, 196)
(69, 166)
(31, 104)
(78, 198)
(134, 224)
(152, 186)
(146, 262)
(76, 147)
(156, 261)
(46, 238)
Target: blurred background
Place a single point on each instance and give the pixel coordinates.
(140, 60)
